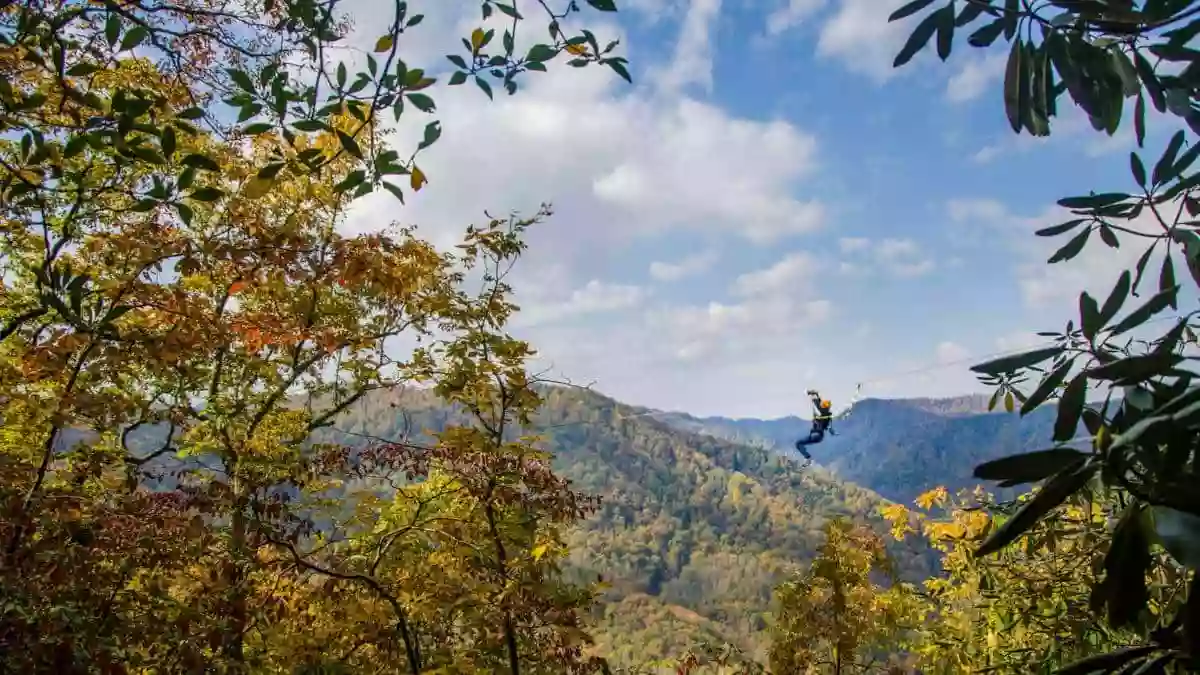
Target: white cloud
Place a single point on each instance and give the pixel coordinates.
(789, 274)
(897, 257)
(951, 352)
(975, 76)
(860, 35)
(852, 244)
(692, 63)
(689, 266)
(593, 297)
(790, 14)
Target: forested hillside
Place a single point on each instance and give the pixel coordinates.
(897, 447)
(693, 531)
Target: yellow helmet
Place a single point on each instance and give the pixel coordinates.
(825, 404)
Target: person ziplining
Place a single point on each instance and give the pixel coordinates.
(822, 422)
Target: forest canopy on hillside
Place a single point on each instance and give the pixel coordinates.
(175, 178)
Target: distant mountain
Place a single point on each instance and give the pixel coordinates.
(896, 447)
(693, 529)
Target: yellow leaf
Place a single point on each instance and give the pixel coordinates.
(538, 552)
(384, 43)
(416, 179)
(476, 39)
(577, 50)
(256, 187)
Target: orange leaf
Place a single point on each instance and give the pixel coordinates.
(417, 179)
(236, 287)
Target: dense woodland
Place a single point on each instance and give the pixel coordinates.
(214, 458)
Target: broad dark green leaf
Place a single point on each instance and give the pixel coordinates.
(1108, 236)
(1137, 168)
(185, 212)
(618, 67)
(257, 128)
(1150, 81)
(917, 40)
(1166, 279)
(1008, 364)
(396, 191)
(1179, 533)
(945, 30)
(1116, 298)
(1094, 201)
(1055, 230)
(1055, 492)
(348, 142)
(1070, 408)
(1046, 387)
(539, 53)
(201, 162)
(134, 37)
(1125, 567)
(603, 5)
(206, 194)
(483, 85)
(1013, 93)
(1135, 368)
(1139, 120)
(457, 78)
(423, 102)
(1162, 168)
(1072, 248)
(433, 131)
(1089, 315)
(986, 35)
(1139, 316)
(1029, 467)
(909, 9)
(310, 125)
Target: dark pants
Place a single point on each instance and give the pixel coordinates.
(814, 436)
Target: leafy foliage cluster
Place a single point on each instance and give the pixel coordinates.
(172, 181)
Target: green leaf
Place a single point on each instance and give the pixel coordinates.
(191, 113)
(1150, 81)
(1139, 316)
(1137, 168)
(396, 191)
(241, 79)
(508, 10)
(1046, 387)
(1139, 120)
(1072, 248)
(423, 102)
(257, 128)
(1108, 236)
(433, 131)
(348, 142)
(310, 125)
(1116, 298)
(603, 5)
(353, 180)
(134, 37)
(270, 171)
(206, 194)
(201, 162)
(1162, 168)
(984, 37)
(457, 78)
(1070, 408)
(1008, 364)
(185, 212)
(538, 53)
(1093, 201)
(1055, 492)
(1055, 230)
(909, 9)
(618, 67)
(917, 40)
(167, 142)
(1135, 369)
(112, 28)
(1179, 533)
(1089, 315)
(482, 84)
(1029, 467)
(1125, 565)
(945, 30)
(1014, 96)
(83, 69)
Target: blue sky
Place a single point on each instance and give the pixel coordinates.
(769, 208)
